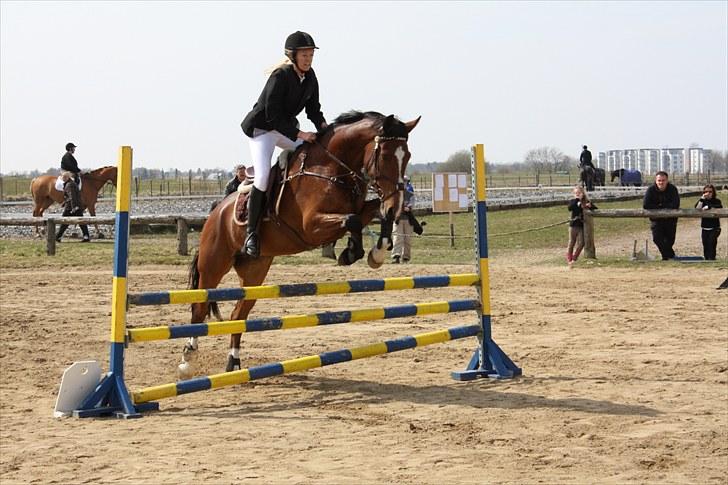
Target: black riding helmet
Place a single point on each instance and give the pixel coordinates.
(298, 40)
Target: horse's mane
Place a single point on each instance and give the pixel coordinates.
(396, 129)
(97, 170)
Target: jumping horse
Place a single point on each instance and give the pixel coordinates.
(43, 190)
(322, 197)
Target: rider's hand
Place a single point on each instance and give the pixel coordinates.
(307, 136)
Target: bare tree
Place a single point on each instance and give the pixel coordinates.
(545, 159)
(457, 162)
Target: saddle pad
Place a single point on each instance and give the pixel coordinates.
(59, 184)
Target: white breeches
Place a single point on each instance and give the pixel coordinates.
(262, 146)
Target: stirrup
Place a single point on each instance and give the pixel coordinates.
(251, 247)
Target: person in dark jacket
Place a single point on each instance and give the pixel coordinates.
(585, 159)
(72, 204)
(662, 195)
(710, 226)
(272, 122)
(234, 183)
(576, 223)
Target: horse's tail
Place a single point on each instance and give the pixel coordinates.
(193, 283)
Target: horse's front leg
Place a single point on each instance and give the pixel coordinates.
(378, 253)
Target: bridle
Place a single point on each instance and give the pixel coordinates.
(360, 179)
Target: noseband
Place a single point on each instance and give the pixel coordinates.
(376, 157)
(361, 178)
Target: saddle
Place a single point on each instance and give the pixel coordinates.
(278, 173)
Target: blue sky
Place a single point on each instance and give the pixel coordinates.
(174, 79)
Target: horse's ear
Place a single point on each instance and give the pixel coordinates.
(410, 125)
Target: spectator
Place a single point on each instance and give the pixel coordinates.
(402, 250)
(710, 226)
(663, 195)
(234, 183)
(576, 224)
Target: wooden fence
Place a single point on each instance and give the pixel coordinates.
(182, 222)
(590, 250)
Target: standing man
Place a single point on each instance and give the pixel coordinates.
(402, 249)
(585, 160)
(232, 185)
(663, 195)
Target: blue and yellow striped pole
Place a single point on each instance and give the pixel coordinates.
(291, 322)
(111, 395)
(301, 289)
(303, 363)
(488, 360)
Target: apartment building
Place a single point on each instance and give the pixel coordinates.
(691, 160)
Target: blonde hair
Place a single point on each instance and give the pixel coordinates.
(584, 197)
(283, 62)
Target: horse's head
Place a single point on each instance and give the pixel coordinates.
(385, 163)
(104, 174)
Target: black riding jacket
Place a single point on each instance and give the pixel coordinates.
(577, 212)
(283, 98)
(585, 160)
(709, 222)
(68, 163)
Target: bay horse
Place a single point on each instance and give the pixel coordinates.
(321, 198)
(43, 190)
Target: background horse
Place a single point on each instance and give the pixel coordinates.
(588, 177)
(627, 177)
(322, 197)
(600, 177)
(44, 192)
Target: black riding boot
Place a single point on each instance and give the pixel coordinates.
(256, 204)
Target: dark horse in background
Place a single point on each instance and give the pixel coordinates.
(627, 177)
(44, 192)
(592, 177)
(322, 196)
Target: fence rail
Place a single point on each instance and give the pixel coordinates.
(182, 221)
(589, 248)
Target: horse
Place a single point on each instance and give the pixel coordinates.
(322, 196)
(43, 190)
(600, 177)
(588, 177)
(627, 177)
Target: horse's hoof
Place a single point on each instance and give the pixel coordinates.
(189, 353)
(373, 263)
(184, 370)
(344, 259)
(232, 363)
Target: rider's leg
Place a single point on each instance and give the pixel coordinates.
(262, 146)
(61, 230)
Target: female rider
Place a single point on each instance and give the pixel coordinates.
(272, 123)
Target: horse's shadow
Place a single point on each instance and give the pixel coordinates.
(318, 391)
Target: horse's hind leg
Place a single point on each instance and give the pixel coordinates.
(252, 272)
(209, 277)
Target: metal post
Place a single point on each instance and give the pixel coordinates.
(111, 395)
(488, 360)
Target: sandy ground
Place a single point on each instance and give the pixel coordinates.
(625, 381)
